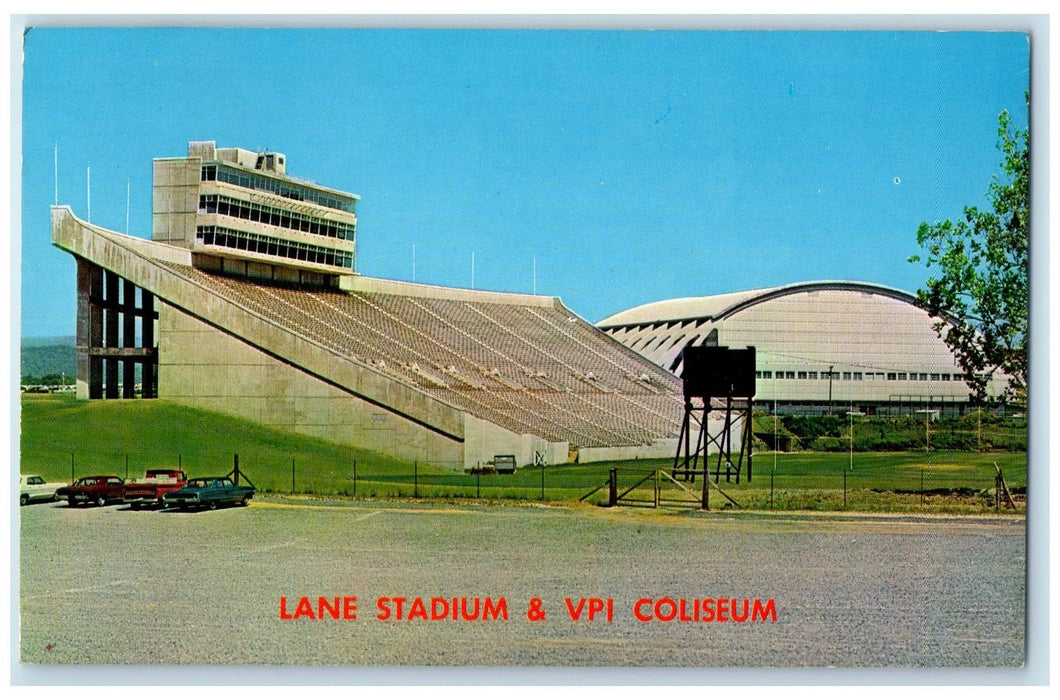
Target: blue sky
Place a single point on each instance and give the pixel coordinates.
(626, 166)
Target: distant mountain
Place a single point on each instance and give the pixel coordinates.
(42, 356)
(52, 340)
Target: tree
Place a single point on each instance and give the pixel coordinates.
(980, 291)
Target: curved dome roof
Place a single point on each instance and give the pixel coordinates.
(719, 306)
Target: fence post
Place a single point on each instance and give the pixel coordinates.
(921, 487)
(478, 483)
(656, 488)
(844, 488)
(542, 482)
(997, 493)
(771, 487)
(72, 468)
(415, 479)
(126, 466)
(235, 469)
(355, 478)
(612, 488)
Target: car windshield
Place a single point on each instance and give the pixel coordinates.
(85, 482)
(199, 483)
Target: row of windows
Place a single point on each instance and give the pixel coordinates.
(267, 245)
(860, 376)
(250, 211)
(255, 181)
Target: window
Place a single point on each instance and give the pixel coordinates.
(241, 240)
(923, 376)
(901, 376)
(891, 376)
(857, 376)
(811, 375)
(802, 375)
(846, 375)
(789, 375)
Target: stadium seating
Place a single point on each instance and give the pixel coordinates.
(528, 368)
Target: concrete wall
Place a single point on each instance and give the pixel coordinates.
(204, 367)
(484, 440)
(175, 200)
(659, 449)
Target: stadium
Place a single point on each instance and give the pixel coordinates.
(246, 302)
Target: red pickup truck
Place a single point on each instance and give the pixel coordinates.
(155, 484)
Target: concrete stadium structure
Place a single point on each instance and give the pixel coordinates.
(246, 302)
(821, 347)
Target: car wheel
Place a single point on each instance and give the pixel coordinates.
(213, 505)
(101, 501)
(23, 499)
(245, 501)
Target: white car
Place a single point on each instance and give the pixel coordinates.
(34, 488)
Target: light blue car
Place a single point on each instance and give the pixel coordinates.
(209, 492)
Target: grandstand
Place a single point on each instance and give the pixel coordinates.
(447, 376)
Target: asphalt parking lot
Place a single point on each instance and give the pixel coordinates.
(117, 586)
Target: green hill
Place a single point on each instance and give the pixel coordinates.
(101, 437)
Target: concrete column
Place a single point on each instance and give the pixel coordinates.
(149, 376)
(128, 339)
(89, 330)
(111, 305)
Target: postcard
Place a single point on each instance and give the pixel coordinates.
(376, 349)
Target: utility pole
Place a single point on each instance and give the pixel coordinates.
(830, 367)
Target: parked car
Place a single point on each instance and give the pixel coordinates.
(100, 490)
(33, 487)
(155, 484)
(209, 492)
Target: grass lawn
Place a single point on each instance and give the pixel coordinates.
(63, 438)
